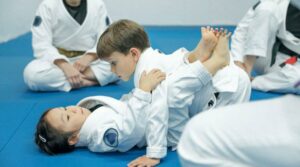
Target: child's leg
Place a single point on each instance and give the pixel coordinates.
(205, 47)
(197, 77)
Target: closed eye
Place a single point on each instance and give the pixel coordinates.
(113, 63)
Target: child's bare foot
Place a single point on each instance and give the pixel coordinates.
(206, 45)
(221, 51)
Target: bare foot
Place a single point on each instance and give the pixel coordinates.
(221, 51)
(206, 45)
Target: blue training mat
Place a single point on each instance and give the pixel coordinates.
(21, 108)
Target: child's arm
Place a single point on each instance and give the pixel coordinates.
(157, 125)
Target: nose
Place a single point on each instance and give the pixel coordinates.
(73, 110)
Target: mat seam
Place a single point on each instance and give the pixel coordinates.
(15, 131)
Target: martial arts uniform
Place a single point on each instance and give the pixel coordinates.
(187, 90)
(271, 31)
(55, 33)
(118, 125)
(255, 134)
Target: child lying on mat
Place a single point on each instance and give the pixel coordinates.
(101, 123)
(120, 125)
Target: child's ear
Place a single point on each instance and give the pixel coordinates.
(72, 140)
(136, 53)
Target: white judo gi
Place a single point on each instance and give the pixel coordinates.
(116, 126)
(186, 91)
(55, 28)
(255, 134)
(256, 34)
(138, 119)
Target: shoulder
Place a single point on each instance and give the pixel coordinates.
(99, 4)
(49, 4)
(48, 7)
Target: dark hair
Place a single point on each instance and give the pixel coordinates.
(121, 36)
(51, 140)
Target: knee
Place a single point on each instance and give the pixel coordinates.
(33, 75)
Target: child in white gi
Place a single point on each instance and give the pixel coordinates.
(64, 38)
(187, 89)
(116, 125)
(267, 40)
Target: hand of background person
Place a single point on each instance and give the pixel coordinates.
(144, 161)
(82, 63)
(72, 74)
(150, 80)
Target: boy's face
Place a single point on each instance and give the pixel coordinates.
(68, 119)
(123, 65)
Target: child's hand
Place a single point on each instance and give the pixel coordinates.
(149, 81)
(144, 162)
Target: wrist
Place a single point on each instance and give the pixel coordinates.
(91, 56)
(60, 63)
(145, 88)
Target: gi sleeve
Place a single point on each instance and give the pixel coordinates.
(42, 35)
(104, 139)
(157, 123)
(132, 126)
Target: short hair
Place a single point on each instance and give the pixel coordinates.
(121, 36)
(50, 140)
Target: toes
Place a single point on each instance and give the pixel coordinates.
(203, 30)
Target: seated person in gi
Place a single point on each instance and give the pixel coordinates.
(188, 88)
(267, 41)
(64, 38)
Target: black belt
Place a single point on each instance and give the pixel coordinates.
(279, 47)
(287, 51)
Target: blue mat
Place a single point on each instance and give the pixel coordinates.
(20, 108)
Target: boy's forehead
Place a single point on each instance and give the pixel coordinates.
(113, 56)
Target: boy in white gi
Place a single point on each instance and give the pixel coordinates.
(64, 38)
(187, 89)
(114, 125)
(259, 134)
(267, 40)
